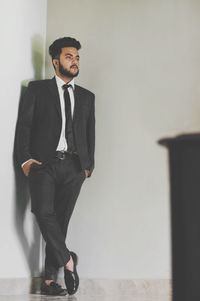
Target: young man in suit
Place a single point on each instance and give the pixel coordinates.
(55, 146)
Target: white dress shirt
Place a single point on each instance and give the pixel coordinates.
(62, 144)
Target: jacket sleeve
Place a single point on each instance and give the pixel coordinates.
(91, 136)
(24, 125)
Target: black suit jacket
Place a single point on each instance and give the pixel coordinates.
(40, 121)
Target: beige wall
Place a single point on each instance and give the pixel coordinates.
(142, 60)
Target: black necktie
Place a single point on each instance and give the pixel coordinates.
(68, 116)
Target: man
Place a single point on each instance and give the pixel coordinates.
(55, 147)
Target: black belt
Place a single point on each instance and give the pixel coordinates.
(62, 155)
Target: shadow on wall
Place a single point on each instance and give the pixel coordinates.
(22, 197)
(184, 164)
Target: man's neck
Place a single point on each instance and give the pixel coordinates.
(64, 78)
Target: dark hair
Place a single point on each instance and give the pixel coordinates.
(56, 47)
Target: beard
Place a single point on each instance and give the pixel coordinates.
(67, 72)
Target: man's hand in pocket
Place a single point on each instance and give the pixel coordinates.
(27, 166)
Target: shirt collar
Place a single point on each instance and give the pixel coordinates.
(61, 82)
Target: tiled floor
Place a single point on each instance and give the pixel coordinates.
(90, 290)
(81, 298)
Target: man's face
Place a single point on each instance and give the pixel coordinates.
(68, 63)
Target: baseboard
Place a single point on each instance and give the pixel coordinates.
(98, 287)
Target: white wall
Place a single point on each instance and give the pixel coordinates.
(22, 32)
(142, 60)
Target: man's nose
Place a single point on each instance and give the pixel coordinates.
(74, 59)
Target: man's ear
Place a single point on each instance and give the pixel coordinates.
(55, 63)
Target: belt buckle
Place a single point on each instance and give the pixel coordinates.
(62, 157)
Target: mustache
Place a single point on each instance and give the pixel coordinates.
(74, 66)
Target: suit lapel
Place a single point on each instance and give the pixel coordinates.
(55, 95)
(56, 99)
(77, 104)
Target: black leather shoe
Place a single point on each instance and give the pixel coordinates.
(53, 289)
(72, 278)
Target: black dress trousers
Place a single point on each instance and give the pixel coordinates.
(54, 189)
